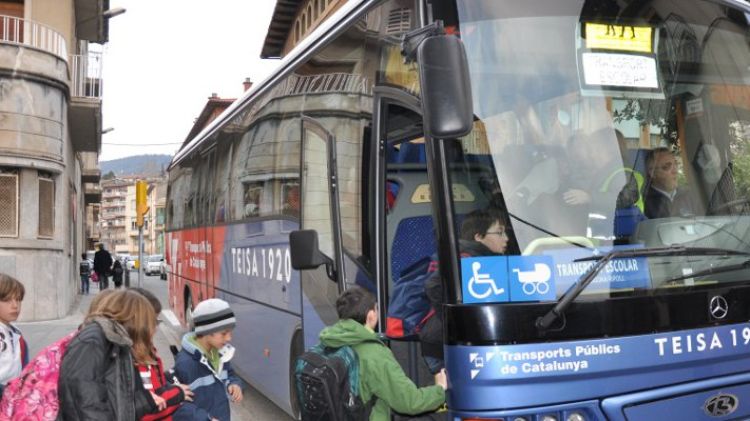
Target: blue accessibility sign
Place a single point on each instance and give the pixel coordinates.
(532, 278)
(485, 279)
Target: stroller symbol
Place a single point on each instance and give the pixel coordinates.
(482, 279)
(535, 281)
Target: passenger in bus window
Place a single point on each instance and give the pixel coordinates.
(663, 197)
(381, 377)
(483, 233)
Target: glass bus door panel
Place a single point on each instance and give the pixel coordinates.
(319, 292)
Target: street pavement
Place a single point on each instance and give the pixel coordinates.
(254, 406)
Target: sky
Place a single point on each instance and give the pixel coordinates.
(166, 57)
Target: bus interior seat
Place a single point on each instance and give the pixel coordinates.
(409, 223)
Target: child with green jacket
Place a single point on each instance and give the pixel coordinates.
(381, 376)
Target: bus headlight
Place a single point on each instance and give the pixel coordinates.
(576, 416)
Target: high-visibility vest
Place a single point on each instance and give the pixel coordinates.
(639, 181)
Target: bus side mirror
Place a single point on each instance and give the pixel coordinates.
(445, 86)
(303, 245)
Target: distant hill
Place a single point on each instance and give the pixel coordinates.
(137, 165)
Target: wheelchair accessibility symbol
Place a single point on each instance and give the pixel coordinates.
(481, 285)
(535, 281)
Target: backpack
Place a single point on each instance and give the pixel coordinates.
(33, 395)
(84, 268)
(327, 381)
(409, 305)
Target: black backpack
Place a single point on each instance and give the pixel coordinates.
(84, 268)
(327, 381)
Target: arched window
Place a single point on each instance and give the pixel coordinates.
(321, 6)
(310, 14)
(296, 32)
(305, 23)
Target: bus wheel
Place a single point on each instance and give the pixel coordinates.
(296, 350)
(188, 309)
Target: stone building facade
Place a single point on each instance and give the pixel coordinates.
(50, 138)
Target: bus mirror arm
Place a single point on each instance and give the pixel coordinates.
(306, 254)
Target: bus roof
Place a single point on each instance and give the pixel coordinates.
(320, 35)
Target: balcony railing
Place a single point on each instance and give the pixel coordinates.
(86, 75)
(28, 33)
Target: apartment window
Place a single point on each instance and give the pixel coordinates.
(8, 203)
(46, 205)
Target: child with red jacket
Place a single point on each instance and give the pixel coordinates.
(167, 395)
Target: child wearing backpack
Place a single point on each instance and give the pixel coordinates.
(154, 377)
(33, 395)
(380, 376)
(13, 349)
(84, 270)
(98, 380)
(203, 363)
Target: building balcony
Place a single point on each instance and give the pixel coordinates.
(92, 193)
(113, 204)
(91, 24)
(90, 172)
(85, 115)
(34, 35)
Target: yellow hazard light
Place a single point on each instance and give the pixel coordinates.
(619, 37)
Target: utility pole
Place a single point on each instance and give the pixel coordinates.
(141, 209)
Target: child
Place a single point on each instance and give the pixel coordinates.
(117, 274)
(154, 379)
(381, 378)
(84, 271)
(13, 349)
(98, 380)
(203, 363)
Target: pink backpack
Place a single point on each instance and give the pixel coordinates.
(33, 395)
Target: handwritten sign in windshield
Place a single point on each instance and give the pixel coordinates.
(622, 70)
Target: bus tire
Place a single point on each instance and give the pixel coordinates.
(296, 349)
(188, 310)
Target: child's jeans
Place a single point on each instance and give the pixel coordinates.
(84, 284)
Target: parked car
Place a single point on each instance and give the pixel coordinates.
(130, 263)
(153, 264)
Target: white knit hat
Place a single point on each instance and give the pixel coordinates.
(211, 316)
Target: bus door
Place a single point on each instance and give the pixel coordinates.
(409, 234)
(408, 238)
(320, 212)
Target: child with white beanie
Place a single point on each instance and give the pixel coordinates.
(203, 363)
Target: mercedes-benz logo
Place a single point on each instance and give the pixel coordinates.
(718, 307)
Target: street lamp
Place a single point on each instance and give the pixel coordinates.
(107, 14)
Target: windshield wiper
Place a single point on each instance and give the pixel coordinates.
(544, 322)
(745, 264)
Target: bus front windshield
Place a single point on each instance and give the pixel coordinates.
(607, 125)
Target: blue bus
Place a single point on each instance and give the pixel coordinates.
(612, 133)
